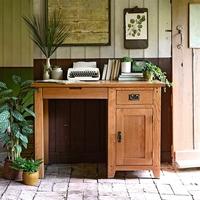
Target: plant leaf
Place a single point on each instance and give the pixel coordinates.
(30, 112)
(4, 115)
(23, 138)
(17, 115)
(16, 79)
(4, 126)
(3, 85)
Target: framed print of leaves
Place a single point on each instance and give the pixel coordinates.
(136, 28)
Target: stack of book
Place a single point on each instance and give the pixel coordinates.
(132, 76)
(111, 70)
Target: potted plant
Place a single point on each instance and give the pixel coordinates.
(152, 71)
(30, 169)
(16, 120)
(48, 36)
(126, 64)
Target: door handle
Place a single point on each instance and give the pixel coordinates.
(179, 28)
(119, 136)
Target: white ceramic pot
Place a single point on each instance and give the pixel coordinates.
(57, 73)
(126, 67)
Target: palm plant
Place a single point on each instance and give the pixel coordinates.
(48, 35)
(16, 114)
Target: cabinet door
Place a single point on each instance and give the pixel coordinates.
(134, 136)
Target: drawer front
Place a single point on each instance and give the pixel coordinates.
(134, 97)
(75, 93)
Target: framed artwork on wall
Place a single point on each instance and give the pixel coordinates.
(136, 28)
(88, 20)
(194, 24)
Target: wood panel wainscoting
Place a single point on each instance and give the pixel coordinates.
(69, 143)
(133, 121)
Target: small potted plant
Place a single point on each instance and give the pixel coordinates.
(153, 72)
(30, 171)
(126, 64)
(16, 120)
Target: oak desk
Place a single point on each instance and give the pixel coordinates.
(133, 120)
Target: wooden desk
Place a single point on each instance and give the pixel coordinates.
(133, 120)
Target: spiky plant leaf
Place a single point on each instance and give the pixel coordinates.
(6, 92)
(47, 36)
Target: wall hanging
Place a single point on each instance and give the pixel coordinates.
(135, 28)
(89, 20)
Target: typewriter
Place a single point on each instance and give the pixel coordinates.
(83, 71)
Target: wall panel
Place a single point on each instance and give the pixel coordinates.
(16, 47)
(159, 39)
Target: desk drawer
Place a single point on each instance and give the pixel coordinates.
(75, 93)
(134, 97)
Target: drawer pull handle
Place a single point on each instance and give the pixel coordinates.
(119, 136)
(134, 97)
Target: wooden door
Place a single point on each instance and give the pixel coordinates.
(134, 126)
(186, 95)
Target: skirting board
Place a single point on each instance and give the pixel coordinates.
(186, 159)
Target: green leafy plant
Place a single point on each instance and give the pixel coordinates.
(18, 164)
(27, 165)
(127, 59)
(49, 35)
(156, 73)
(16, 116)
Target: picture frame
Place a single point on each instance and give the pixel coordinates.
(89, 24)
(194, 24)
(136, 28)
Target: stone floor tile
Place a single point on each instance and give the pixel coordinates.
(11, 195)
(105, 189)
(45, 186)
(113, 198)
(75, 197)
(60, 187)
(76, 180)
(132, 181)
(134, 188)
(137, 196)
(175, 197)
(26, 195)
(150, 196)
(179, 189)
(149, 188)
(165, 189)
(91, 198)
(50, 196)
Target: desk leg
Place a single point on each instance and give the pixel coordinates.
(46, 132)
(39, 135)
(111, 132)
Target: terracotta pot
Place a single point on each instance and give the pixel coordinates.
(30, 178)
(10, 173)
(148, 75)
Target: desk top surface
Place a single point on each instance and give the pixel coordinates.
(96, 84)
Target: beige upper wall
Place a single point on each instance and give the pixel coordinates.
(15, 44)
(16, 48)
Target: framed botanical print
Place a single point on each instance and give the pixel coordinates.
(88, 20)
(136, 28)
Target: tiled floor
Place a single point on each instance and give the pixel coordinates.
(88, 182)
